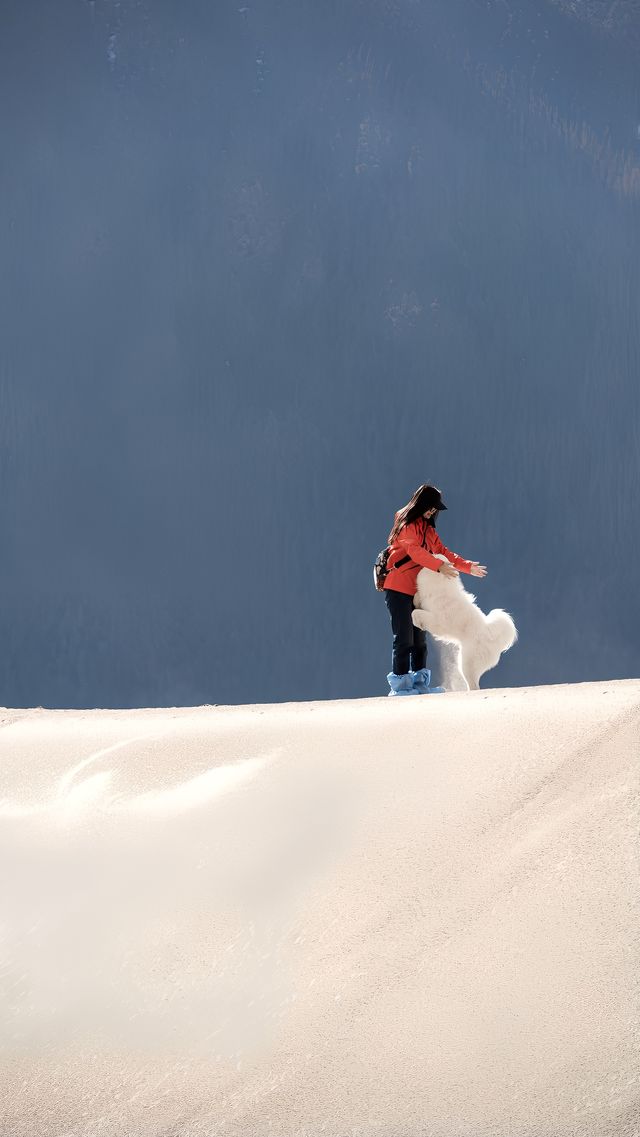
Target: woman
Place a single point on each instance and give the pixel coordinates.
(413, 542)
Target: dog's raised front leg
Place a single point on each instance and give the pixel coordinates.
(421, 619)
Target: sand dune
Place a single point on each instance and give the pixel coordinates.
(392, 917)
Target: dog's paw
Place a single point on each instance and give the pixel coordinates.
(420, 619)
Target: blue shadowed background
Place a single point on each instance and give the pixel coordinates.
(268, 266)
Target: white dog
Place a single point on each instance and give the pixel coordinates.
(444, 608)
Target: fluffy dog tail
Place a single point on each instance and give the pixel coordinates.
(503, 630)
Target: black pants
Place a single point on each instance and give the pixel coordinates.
(409, 642)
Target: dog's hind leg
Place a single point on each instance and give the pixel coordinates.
(472, 666)
(451, 676)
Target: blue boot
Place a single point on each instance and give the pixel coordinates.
(421, 681)
(401, 684)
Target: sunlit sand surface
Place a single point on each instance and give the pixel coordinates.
(407, 917)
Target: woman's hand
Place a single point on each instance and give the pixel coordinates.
(477, 570)
(447, 570)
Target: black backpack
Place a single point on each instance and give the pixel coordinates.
(380, 569)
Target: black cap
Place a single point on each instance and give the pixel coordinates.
(431, 498)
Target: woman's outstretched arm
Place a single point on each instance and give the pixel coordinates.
(409, 541)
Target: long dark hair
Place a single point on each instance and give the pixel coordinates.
(425, 497)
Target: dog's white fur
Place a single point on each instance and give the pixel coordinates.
(448, 612)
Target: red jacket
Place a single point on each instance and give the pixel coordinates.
(420, 541)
